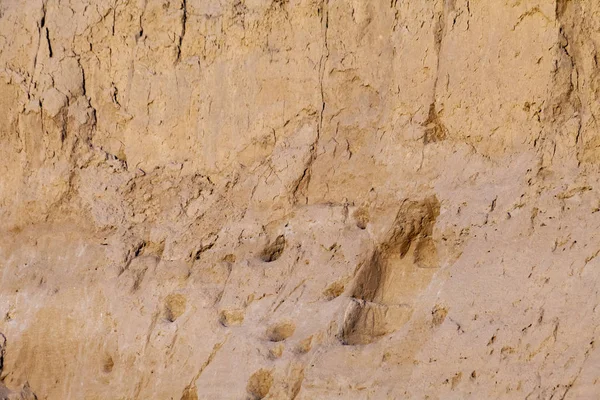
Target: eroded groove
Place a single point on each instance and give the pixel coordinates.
(434, 128)
(273, 250)
(397, 270)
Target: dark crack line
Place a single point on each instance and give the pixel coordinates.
(183, 28)
(305, 178)
(49, 43)
(324, 58)
(141, 32)
(41, 25)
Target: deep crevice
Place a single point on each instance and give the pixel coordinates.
(49, 43)
(183, 28)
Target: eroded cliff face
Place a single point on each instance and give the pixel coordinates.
(299, 199)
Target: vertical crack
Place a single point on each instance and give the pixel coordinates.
(439, 33)
(322, 62)
(141, 31)
(434, 128)
(114, 19)
(85, 94)
(565, 100)
(41, 25)
(394, 6)
(301, 184)
(49, 43)
(183, 27)
(2, 351)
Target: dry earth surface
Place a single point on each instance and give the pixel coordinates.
(299, 199)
